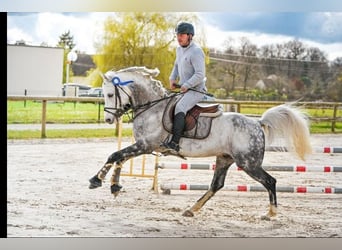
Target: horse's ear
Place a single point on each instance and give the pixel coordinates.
(155, 72)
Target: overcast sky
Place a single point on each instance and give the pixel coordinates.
(315, 29)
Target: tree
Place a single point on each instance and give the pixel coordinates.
(66, 41)
(249, 52)
(302, 71)
(139, 39)
(269, 55)
(230, 69)
(334, 89)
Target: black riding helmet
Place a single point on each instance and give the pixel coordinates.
(185, 28)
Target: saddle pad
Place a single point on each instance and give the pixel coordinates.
(199, 129)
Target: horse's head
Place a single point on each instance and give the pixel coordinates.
(125, 88)
(117, 96)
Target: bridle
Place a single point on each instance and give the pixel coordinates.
(130, 109)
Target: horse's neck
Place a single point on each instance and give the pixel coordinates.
(144, 93)
(153, 107)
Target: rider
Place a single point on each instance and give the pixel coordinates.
(189, 71)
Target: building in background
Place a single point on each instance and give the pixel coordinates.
(34, 70)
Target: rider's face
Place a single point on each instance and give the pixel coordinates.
(183, 39)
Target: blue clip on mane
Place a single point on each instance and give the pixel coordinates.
(116, 81)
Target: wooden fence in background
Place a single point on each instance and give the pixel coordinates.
(229, 105)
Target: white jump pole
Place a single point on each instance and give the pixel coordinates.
(212, 166)
(254, 188)
(327, 150)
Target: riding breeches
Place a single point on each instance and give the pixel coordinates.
(188, 101)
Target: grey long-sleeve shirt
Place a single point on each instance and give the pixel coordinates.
(189, 67)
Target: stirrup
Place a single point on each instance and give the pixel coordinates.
(170, 147)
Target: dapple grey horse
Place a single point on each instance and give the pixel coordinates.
(232, 137)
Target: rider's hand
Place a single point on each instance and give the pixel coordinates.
(172, 84)
(183, 89)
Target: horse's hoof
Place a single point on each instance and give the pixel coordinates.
(95, 182)
(115, 189)
(115, 194)
(266, 217)
(188, 213)
(166, 191)
(271, 213)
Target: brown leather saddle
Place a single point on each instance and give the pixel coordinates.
(197, 120)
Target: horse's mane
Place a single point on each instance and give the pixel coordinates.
(157, 86)
(143, 70)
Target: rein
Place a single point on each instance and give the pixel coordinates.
(150, 104)
(122, 110)
(206, 93)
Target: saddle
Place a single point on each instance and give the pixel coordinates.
(197, 120)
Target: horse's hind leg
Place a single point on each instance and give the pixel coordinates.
(222, 165)
(269, 182)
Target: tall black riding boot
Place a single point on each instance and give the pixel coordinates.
(177, 131)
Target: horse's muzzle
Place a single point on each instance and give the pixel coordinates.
(110, 118)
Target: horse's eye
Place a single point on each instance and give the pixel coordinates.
(110, 95)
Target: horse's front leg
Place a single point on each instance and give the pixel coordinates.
(115, 186)
(96, 180)
(118, 158)
(222, 165)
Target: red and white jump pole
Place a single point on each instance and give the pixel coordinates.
(253, 188)
(212, 166)
(328, 150)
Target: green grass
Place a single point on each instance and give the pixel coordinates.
(67, 133)
(321, 127)
(20, 112)
(30, 112)
(325, 128)
(57, 112)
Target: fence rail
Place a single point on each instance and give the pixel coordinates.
(229, 105)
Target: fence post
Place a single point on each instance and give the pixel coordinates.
(98, 112)
(333, 123)
(43, 134)
(25, 93)
(119, 132)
